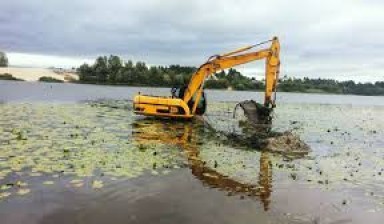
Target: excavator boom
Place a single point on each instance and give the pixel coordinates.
(186, 104)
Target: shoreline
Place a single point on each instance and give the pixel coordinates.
(33, 74)
(159, 87)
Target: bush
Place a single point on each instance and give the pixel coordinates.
(8, 76)
(3, 60)
(49, 79)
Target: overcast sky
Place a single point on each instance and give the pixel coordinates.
(341, 39)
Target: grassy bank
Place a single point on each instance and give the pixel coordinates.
(7, 76)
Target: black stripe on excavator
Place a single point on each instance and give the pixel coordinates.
(168, 111)
(180, 109)
(165, 111)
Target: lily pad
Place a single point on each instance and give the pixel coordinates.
(23, 191)
(97, 184)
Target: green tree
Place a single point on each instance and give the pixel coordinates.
(155, 78)
(3, 59)
(101, 69)
(128, 72)
(141, 73)
(114, 67)
(86, 73)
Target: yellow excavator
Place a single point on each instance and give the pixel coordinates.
(188, 101)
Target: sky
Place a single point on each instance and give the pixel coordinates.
(339, 39)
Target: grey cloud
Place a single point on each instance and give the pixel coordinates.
(317, 36)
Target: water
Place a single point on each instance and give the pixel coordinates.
(34, 91)
(96, 162)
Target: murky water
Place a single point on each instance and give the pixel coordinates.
(63, 160)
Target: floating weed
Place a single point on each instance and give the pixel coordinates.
(4, 195)
(334, 139)
(293, 176)
(154, 172)
(76, 181)
(5, 187)
(20, 184)
(165, 172)
(77, 185)
(23, 191)
(80, 140)
(48, 182)
(35, 174)
(75, 140)
(97, 184)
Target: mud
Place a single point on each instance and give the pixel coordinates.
(255, 125)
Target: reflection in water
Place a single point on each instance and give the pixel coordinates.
(189, 136)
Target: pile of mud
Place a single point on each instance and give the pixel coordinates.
(251, 126)
(287, 142)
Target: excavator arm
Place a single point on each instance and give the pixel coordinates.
(232, 59)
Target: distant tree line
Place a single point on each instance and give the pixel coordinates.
(331, 86)
(114, 71)
(3, 59)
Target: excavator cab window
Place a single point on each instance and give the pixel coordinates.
(175, 92)
(178, 92)
(181, 91)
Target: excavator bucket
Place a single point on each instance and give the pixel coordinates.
(255, 113)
